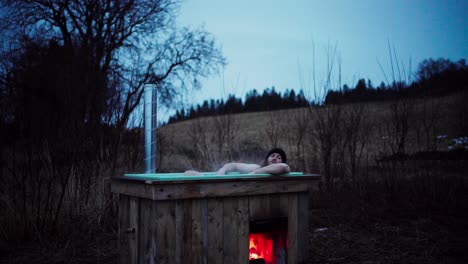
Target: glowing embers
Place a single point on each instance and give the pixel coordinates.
(268, 241)
(261, 247)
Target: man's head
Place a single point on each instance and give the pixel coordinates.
(275, 155)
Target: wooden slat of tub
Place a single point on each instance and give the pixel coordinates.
(124, 223)
(255, 207)
(267, 206)
(275, 210)
(259, 207)
(134, 211)
(284, 211)
(199, 231)
(302, 226)
(165, 230)
(230, 231)
(144, 237)
(284, 204)
(243, 229)
(215, 230)
(183, 229)
(292, 229)
(166, 191)
(147, 228)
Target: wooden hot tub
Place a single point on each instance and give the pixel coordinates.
(172, 218)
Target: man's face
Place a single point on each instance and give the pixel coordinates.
(275, 158)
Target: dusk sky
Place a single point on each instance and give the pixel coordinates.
(271, 42)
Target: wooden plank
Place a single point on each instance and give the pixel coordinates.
(230, 231)
(275, 210)
(147, 232)
(170, 226)
(292, 229)
(243, 229)
(165, 229)
(134, 210)
(255, 207)
(284, 204)
(204, 220)
(303, 227)
(183, 230)
(283, 211)
(199, 231)
(124, 223)
(215, 230)
(259, 207)
(265, 205)
(164, 191)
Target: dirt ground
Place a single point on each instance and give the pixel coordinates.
(410, 239)
(333, 239)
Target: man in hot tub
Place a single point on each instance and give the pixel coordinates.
(274, 163)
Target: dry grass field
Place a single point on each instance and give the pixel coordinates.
(432, 124)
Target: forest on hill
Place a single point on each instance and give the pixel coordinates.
(269, 100)
(433, 78)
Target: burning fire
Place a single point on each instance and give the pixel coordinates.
(261, 246)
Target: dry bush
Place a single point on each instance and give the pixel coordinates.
(326, 121)
(55, 196)
(275, 129)
(226, 132)
(357, 131)
(203, 150)
(298, 127)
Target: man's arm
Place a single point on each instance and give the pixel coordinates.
(239, 167)
(192, 173)
(278, 168)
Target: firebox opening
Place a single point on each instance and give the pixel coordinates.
(268, 241)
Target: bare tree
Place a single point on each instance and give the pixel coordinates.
(226, 134)
(431, 116)
(326, 123)
(297, 131)
(275, 129)
(219, 135)
(460, 112)
(126, 42)
(393, 134)
(357, 131)
(326, 131)
(201, 145)
(400, 109)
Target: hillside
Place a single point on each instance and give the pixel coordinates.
(432, 124)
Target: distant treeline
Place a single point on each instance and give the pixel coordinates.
(432, 78)
(269, 100)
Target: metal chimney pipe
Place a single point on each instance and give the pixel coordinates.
(150, 112)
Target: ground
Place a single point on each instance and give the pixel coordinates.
(401, 239)
(333, 239)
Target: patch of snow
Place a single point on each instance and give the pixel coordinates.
(322, 229)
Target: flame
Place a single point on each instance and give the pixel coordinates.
(261, 246)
